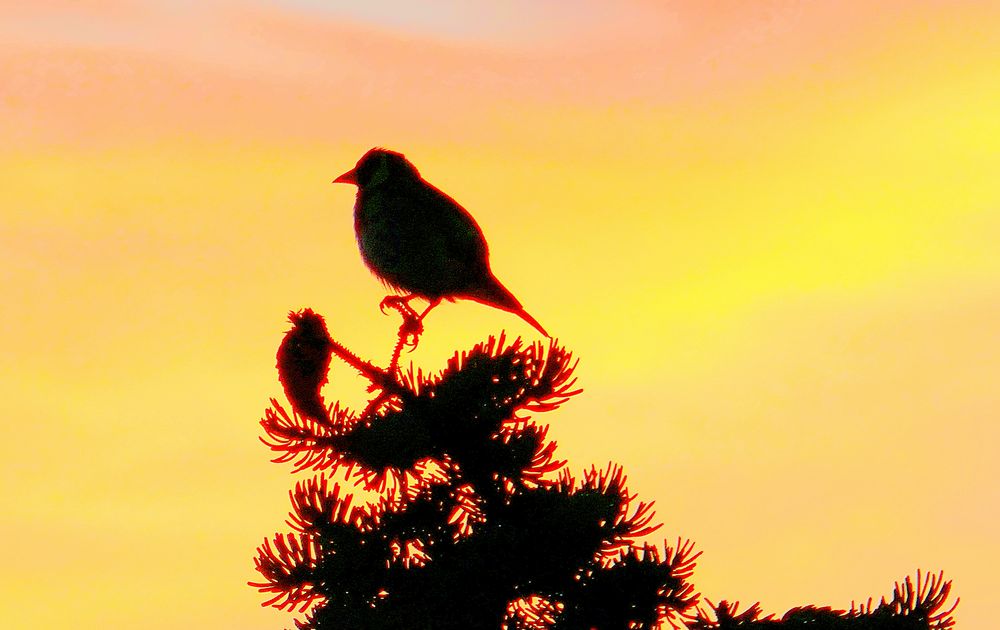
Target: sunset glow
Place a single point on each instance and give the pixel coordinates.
(768, 230)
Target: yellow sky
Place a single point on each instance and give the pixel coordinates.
(768, 230)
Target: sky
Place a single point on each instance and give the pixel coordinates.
(766, 228)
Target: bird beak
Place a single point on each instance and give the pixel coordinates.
(347, 178)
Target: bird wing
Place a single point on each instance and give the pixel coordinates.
(465, 256)
(460, 239)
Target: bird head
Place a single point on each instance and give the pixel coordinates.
(376, 167)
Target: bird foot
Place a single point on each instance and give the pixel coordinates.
(412, 326)
(401, 304)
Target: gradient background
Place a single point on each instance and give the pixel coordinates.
(767, 228)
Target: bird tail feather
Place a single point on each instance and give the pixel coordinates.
(523, 314)
(497, 295)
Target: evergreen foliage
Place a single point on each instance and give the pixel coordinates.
(476, 524)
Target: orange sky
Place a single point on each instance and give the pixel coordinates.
(767, 228)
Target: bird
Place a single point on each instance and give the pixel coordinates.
(419, 241)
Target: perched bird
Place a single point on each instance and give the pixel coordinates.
(420, 241)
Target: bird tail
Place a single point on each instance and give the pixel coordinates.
(523, 314)
(496, 295)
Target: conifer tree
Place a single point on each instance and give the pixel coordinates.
(475, 523)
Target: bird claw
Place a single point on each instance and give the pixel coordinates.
(401, 304)
(390, 301)
(412, 326)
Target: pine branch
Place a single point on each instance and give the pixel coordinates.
(321, 511)
(474, 525)
(289, 564)
(304, 361)
(640, 589)
(913, 606)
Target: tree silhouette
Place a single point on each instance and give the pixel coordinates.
(473, 523)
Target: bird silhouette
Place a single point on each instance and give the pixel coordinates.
(420, 241)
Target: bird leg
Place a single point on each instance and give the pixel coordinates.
(431, 305)
(412, 327)
(412, 323)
